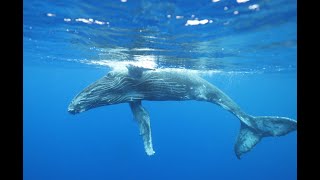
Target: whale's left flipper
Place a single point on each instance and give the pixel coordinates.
(143, 119)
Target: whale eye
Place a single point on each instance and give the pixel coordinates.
(110, 74)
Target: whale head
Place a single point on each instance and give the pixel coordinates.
(108, 90)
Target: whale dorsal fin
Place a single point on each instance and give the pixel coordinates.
(136, 71)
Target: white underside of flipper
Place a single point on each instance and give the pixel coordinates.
(142, 117)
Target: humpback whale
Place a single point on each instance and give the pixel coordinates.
(138, 84)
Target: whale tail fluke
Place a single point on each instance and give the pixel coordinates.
(259, 127)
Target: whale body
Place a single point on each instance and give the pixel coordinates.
(138, 84)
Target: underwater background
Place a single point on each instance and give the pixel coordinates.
(247, 48)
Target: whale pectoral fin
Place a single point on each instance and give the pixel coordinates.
(142, 117)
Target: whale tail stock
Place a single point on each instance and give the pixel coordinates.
(257, 127)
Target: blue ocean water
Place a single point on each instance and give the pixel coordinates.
(246, 48)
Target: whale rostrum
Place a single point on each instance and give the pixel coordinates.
(138, 84)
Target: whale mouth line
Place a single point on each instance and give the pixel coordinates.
(72, 111)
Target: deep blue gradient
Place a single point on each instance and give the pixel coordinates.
(253, 53)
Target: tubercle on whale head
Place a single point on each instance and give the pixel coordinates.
(86, 99)
(77, 105)
(91, 97)
(72, 110)
(105, 91)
